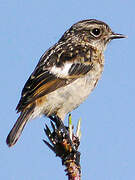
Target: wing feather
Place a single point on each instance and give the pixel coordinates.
(53, 72)
(35, 88)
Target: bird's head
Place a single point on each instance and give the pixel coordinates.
(91, 32)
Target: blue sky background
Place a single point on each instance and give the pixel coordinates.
(27, 29)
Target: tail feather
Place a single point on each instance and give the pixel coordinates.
(18, 127)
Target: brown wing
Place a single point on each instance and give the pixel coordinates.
(53, 72)
(39, 86)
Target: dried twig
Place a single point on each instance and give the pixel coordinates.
(65, 145)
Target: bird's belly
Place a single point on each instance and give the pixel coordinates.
(65, 99)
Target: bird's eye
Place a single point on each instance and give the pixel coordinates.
(96, 32)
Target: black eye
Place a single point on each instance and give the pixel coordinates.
(96, 32)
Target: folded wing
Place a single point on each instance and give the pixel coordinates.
(53, 72)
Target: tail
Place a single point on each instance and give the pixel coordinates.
(19, 126)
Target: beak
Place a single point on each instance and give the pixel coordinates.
(117, 36)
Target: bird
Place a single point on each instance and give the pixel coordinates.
(65, 75)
